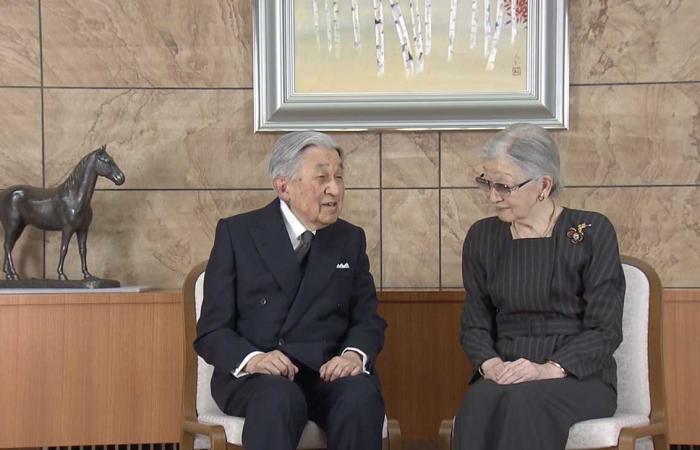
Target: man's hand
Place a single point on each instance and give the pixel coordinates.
(523, 370)
(272, 363)
(349, 364)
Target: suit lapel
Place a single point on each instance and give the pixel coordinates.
(272, 241)
(323, 257)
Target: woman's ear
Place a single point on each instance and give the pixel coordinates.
(546, 185)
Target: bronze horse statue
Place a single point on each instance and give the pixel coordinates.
(65, 208)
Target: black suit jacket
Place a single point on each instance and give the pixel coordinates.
(256, 297)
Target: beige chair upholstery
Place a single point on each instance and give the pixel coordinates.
(203, 420)
(639, 422)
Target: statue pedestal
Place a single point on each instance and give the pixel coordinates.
(36, 283)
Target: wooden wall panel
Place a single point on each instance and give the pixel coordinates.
(88, 369)
(423, 369)
(682, 364)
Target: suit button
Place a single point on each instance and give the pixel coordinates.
(263, 301)
(280, 341)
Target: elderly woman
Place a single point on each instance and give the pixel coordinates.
(543, 309)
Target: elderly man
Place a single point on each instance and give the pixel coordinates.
(289, 319)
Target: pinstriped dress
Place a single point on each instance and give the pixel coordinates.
(539, 299)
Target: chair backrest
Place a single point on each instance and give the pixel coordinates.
(197, 393)
(639, 359)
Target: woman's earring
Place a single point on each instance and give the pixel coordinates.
(541, 197)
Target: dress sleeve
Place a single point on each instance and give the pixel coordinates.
(603, 294)
(478, 313)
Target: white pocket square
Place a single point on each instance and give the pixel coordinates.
(342, 266)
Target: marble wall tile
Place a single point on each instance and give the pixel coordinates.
(361, 158)
(410, 238)
(361, 209)
(619, 135)
(656, 224)
(152, 238)
(410, 159)
(460, 208)
(159, 138)
(20, 137)
(19, 43)
(629, 41)
(131, 43)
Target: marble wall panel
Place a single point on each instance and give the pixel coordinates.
(20, 137)
(145, 43)
(160, 138)
(619, 135)
(361, 162)
(656, 224)
(410, 238)
(19, 43)
(361, 207)
(410, 159)
(152, 238)
(633, 41)
(460, 208)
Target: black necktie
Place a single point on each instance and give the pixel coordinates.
(303, 250)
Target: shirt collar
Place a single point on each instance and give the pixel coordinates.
(294, 227)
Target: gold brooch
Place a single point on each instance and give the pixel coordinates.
(575, 235)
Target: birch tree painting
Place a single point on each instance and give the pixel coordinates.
(431, 45)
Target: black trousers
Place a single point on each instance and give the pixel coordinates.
(534, 415)
(350, 410)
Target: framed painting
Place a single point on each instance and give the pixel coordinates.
(409, 64)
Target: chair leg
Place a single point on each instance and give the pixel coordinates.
(445, 435)
(660, 442)
(186, 441)
(394, 435)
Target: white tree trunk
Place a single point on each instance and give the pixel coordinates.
(417, 34)
(356, 23)
(487, 26)
(451, 30)
(475, 24)
(496, 36)
(513, 20)
(428, 26)
(329, 26)
(336, 28)
(379, 35)
(402, 32)
(317, 31)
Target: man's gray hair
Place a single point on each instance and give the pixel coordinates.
(531, 148)
(288, 150)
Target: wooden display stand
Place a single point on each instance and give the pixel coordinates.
(92, 368)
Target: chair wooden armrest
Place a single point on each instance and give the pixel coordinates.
(215, 433)
(629, 435)
(393, 440)
(445, 435)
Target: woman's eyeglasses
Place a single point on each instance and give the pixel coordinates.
(501, 189)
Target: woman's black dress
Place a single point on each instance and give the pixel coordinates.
(557, 298)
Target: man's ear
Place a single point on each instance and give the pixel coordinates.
(281, 188)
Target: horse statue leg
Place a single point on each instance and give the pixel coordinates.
(12, 233)
(82, 248)
(66, 234)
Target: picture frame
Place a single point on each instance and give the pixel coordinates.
(279, 104)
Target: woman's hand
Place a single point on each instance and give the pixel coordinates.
(523, 370)
(491, 368)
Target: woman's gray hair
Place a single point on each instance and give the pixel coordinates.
(288, 150)
(531, 148)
